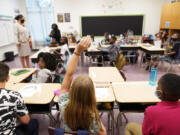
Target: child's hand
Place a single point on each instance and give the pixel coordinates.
(83, 45)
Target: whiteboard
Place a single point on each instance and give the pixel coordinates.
(6, 30)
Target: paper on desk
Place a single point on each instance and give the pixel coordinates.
(30, 90)
(93, 74)
(101, 92)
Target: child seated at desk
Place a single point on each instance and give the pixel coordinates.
(12, 108)
(174, 53)
(77, 102)
(47, 64)
(106, 39)
(112, 51)
(163, 118)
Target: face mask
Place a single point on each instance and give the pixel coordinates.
(22, 21)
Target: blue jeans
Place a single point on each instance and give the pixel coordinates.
(30, 129)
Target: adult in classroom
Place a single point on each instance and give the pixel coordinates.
(22, 42)
(55, 33)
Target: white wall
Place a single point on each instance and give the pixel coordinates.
(7, 8)
(150, 8)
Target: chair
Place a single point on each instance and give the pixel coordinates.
(51, 131)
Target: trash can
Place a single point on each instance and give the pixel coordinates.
(9, 56)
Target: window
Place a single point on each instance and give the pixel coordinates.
(40, 18)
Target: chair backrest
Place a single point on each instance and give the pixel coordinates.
(120, 61)
(51, 131)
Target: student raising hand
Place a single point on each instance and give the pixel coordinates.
(83, 45)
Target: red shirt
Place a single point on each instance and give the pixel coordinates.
(162, 119)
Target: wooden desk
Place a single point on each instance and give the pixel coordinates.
(152, 50)
(43, 96)
(22, 77)
(108, 96)
(135, 92)
(105, 74)
(129, 47)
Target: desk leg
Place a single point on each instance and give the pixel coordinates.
(52, 120)
(112, 122)
(119, 122)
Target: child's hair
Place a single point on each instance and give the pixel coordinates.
(92, 37)
(170, 85)
(114, 37)
(73, 38)
(65, 40)
(81, 109)
(18, 17)
(49, 59)
(55, 25)
(4, 71)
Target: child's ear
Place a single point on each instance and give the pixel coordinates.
(7, 79)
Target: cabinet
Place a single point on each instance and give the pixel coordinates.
(170, 16)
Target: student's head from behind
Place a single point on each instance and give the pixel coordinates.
(169, 87)
(175, 37)
(81, 109)
(20, 18)
(112, 39)
(92, 37)
(54, 26)
(4, 72)
(106, 34)
(47, 60)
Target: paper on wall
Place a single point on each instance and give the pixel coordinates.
(101, 92)
(30, 90)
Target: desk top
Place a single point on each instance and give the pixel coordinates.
(103, 94)
(105, 74)
(135, 92)
(48, 49)
(20, 78)
(43, 95)
(151, 48)
(130, 45)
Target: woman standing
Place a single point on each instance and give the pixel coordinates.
(55, 33)
(21, 38)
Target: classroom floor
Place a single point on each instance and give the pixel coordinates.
(133, 72)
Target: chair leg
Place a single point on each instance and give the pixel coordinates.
(123, 114)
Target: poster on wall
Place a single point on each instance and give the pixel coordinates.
(67, 17)
(60, 18)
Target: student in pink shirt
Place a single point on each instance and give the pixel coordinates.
(163, 118)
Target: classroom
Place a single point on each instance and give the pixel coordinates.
(89, 67)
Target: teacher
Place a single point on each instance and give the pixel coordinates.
(55, 33)
(21, 39)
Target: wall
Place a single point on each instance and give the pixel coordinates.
(7, 8)
(150, 8)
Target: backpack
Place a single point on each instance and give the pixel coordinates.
(120, 61)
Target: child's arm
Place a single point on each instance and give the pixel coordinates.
(83, 45)
(102, 130)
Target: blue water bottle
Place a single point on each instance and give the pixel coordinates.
(153, 77)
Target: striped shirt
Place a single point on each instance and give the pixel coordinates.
(11, 107)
